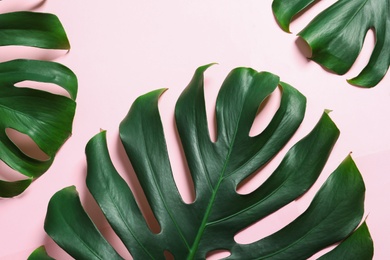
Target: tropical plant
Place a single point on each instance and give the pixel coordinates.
(45, 117)
(336, 35)
(190, 231)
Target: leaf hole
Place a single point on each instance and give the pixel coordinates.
(168, 255)
(218, 254)
(44, 86)
(26, 145)
(265, 112)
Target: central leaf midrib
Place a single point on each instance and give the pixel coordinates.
(203, 225)
(209, 207)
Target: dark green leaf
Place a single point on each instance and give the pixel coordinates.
(40, 30)
(190, 231)
(11, 189)
(40, 254)
(336, 210)
(358, 246)
(78, 234)
(46, 118)
(336, 35)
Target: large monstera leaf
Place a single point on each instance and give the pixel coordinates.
(190, 231)
(336, 35)
(45, 117)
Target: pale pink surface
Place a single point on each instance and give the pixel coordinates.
(122, 49)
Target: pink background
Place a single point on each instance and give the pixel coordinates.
(122, 49)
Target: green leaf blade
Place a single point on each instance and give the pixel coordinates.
(336, 35)
(12, 189)
(210, 222)
(149, 158)
(33, 29)
(15, 71)
(285, 11)
(296, 173)
(327, 214)
(358, 245)
(40, 254)
(46, 118)
(65, 219)
(117, 203)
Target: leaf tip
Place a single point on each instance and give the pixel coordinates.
(328, 111)
(358, 83)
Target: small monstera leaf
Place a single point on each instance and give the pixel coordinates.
(336, 35)
(190, 231)
(45, 117)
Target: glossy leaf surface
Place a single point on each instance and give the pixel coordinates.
(39, 254)
(190, 231)
(33, 29)
(45, 117)
(336, 35)
(358, 246)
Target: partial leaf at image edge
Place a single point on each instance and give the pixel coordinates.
(41, 30)
(336, 35)
(190, 231)
(358, 246)
(45, 117)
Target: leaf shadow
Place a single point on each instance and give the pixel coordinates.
(304, 48)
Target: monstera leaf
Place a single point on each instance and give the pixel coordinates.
(45, 117)
(190, 231)
(336, 35)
